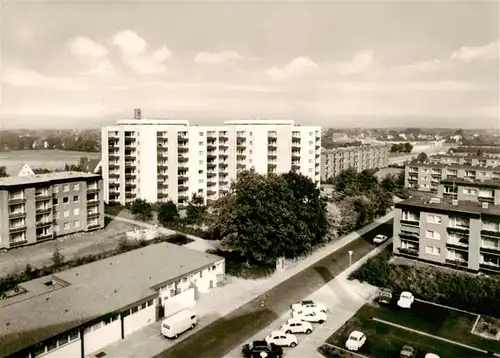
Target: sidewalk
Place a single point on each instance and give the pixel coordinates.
(223, 300)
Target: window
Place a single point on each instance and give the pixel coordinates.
(432, 250)
(76, 223)
(134, 310)
(469, 191)
(65, 200)
(200, 181)
(76, 198)
(311, 151)
(201, 134)
(433, 235)
(66, 226)
(76, 187)
(76, 211)
(200, 161)
(311, 142)
(66, 187)
(150, 302)
(200, 152)
(310, 170)
(434, 219)
(310, 160)
(55, 201)
(200, 171)
(311, 134)
(200, 143)
(144, 305)
(66, 213)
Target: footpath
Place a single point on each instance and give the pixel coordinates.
(220, 301)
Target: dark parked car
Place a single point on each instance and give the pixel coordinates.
(254, 350)
(408, 352)
(385, 296)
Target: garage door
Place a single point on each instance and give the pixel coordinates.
(178, 302)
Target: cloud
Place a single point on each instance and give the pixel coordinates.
(103, 68)
(425, 67)
(87, 48)
(477, 53)
(360, 62)
(135, 54)
(28, 78)
(399, 87)
(55, 111)
(298, 67)
(218, 58)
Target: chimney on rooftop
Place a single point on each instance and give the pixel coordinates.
(137, 113)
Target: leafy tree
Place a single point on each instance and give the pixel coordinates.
(263, 217)
(142, 210)
(167, 212)
(3, 172)
(41, 170)
(58, 258)
(196, 210)
(422, 158)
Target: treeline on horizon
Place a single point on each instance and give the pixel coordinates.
(70, 140)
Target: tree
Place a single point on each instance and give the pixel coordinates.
(167, 212)
(141, 209)
(422, 158)
(58, 258)
(3, 172)
(41, 170)
(262, 219)
(196, 210)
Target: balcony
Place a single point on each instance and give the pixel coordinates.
(211, 192)
(490, 267)
(162, 195)
(413, 179)
(272, 145)
(162, 164)
(130, 175)
(223, 182)
(457, 263)
(490, 250)
(211, 183)
(17, 214)
(46, 236)
(489, 233)
(295, 155)
(18, 243)
(43, 223)
(211, 145)
(114, 175)
(408, 235)
(182, 139)
(211, 155)
(182, 159)
(458, 229)
(92, 189)
(130, 156)
(114, 154)
(223, 156)
(486, 199)
(211, 174)
(93, 226)
(183, 150)
(271, 165)
(408, 252)
(17, 228)
(182, 187)
(43, 209)
(458, 245)
(16, 200)
(163, 175)
(92, 214)
(240, 156)
(241, 166)
(130, 164)
(412, 222)
(223, 146)
(161, 184)
(92, 201)
(223, 165)
(211, 165)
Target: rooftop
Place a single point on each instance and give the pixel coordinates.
(289, 122)
(493, 184)
(153, 121)
(91, 291)
(346, 149)
(45, 178)
(465, 156)
(463, 207)
(452, 166)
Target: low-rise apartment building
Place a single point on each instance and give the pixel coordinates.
(471, 160)
(160, 159)
(77, 312)
(42, 207)
(459, 227)
(427, 176)
(334, 161)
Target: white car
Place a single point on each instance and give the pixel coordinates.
(406, 299)
(282, 339)
(310, 315)
(295, 325)
(308, 304)
(431, 355)
(355, 341)
(380, 239)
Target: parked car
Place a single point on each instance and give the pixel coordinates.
(308, 304)
(295, 325)
(254, 350)
(406, 299)
(408, 352)
(173, 326)
(280, 338)
(385, 296)
(310, 315)
(355, 341)
(380, 239)
(431, 355)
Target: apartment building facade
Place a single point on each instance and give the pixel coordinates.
(42, 207)
(459, 228)
(334, 161)
(426, 177)
(464, 159)
(160, 160)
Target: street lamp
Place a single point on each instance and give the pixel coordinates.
(350, 258)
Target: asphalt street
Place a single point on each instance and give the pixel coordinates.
(223, 335)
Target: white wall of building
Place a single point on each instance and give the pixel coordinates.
(72, 349)
(101, 335)
(140, 319)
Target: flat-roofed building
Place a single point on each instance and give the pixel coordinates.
(334, 161)
(36, 208)
(76, 312)
(459, 227)
(427, 176)
(466, 159)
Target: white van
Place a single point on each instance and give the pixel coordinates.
(178, 323)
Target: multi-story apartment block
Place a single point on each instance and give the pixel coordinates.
(334, 161)
(426, 177)
(159, 160)
(45, 206)
(460, 227)
(473, 160)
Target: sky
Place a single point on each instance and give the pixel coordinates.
(334, 64)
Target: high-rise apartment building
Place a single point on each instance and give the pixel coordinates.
(42, 207)
(334, 161)
(459, 227)
(427, 176)
(159, 160)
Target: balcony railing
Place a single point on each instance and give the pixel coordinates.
(457, 245)
(407, 251)
(490, 233)
(45, 236)
(458, 229)
(17, 214)
(42, 223)
(486, 199)
(18, 243)
(457, 263)
(43, 196)
(17, 228)
(93, 226)
(410, 222)
(92, 214)
(43, 209)
(490, 267)
(409, 236)
(16, 200)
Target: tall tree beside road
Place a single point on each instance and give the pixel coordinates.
(195, 211)
(268, 217)
(3, 172)
(141, 209)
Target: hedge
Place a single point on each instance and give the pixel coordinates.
(10, 283)
(473, 293)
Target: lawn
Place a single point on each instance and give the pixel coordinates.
(385, 341)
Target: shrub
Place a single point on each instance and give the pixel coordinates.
(478, 294)
(179, 239)
(58, 258)
(238, 266)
